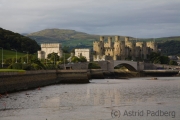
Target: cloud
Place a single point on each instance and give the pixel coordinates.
(137, 18)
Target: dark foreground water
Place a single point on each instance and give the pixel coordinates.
(106, 99)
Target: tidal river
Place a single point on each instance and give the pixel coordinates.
(103, 99)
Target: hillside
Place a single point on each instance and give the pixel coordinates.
(10, 40)
(60, 35)
(171, 47)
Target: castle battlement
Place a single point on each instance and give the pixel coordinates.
(109, 49)
(50, 45)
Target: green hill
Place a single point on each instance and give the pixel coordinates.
(56, 35)
(10, 40)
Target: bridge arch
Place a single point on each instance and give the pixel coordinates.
(110, 64)
(129, 67)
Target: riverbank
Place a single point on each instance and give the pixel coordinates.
(16, 81)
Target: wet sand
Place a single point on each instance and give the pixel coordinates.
(104, 99)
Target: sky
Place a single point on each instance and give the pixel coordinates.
(135, 18)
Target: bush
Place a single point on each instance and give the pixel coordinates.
(10, 66)
(35, 66)
(50, 66)
(26, 66)
(17, 66)
(172, 62)
(93, 66)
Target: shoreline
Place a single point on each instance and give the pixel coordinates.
(13, 82)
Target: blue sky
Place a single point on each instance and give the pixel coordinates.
(135, 18)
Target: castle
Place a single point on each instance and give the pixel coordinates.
(122, 49)
(48, 48)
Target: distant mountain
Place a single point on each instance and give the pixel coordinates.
(58, 35)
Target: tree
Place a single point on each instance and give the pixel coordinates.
(93, 65)
(153, 56)
(161, 60)
(9, 40)
(78, 59)
(65, 49)
(53, 56)
(164, 60)
(75, 59)
(82, 59)
(172, 62)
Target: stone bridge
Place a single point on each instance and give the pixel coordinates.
(133, 65)
(130, 65)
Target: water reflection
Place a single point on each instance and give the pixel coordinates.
(94, 101)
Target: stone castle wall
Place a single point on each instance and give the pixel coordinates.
(48, 48)
(120, 50)
(83, 52)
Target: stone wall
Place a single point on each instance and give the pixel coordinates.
(73, 76)
(15, 81)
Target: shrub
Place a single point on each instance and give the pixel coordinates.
(17, 66)
(26, 66)
(93, 66)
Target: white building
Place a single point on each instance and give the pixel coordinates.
(83, 52)
(48, 48)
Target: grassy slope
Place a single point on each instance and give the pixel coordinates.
(11, 70)
(10, 54)
(60, 35)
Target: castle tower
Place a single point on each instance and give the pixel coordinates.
(130, 49)
(126, 39)
(48, 48)
(144, 50)
(117, 47)
(122, 50)
(102, 38)
(116, 38)
(98, 46)
(110, 41)
(152, 46)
